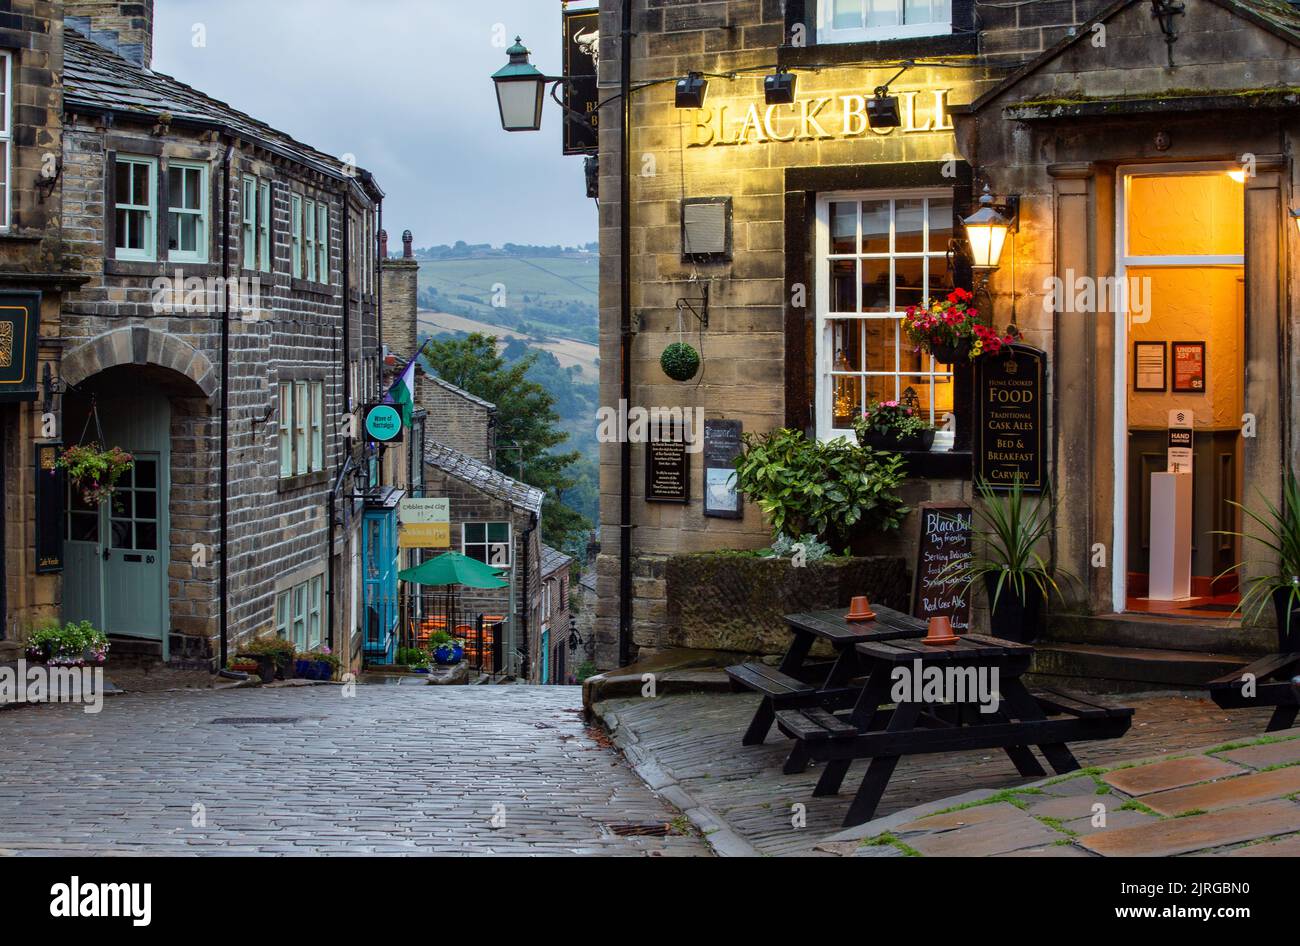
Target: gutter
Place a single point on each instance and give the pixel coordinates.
(223, 515)
(625, 342)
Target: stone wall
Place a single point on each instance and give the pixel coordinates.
(122, 26)
(457, 418)
(400, 287)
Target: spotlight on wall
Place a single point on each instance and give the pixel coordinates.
(778, 88)
(691, 90)
(882, 109)
(1295, 216)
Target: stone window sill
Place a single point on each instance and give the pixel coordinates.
(292, 484)
(885, 50)
(946, 465)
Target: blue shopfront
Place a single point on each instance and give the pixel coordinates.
(379, 561)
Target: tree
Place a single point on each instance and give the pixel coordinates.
(525, 421)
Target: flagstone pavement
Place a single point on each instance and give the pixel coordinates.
(305, 770)
(1235, 795)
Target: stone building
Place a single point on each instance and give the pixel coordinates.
(822, 229)
(555, 623)
(208, 248)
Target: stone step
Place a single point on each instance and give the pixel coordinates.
(1120, 668)
(1223, 636)
(133, 651)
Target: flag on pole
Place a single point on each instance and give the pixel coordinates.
(402, 393)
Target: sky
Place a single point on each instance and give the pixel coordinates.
(403, 85)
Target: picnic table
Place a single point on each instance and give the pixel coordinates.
(1276, 681)
(952, 721)
(796, 682)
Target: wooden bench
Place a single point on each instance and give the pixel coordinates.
(1275, 684)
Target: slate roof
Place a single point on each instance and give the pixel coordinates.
(479, 475)
(553, 560)
(96, 79)
(1280, 13)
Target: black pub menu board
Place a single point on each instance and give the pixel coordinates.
(945, 538)
(1011, 429)
(667, 466)
(722, 445)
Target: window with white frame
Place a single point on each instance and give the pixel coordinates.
(878, 254)
(302, 444)
(298, 614)
(187, 223)
(856, 21)
(309, 239)
(323, 242)
(488, 542)
(296, 226)
(264, 226)
(248, 219)
(135, 202)
(6, 136)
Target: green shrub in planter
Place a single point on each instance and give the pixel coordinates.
(680, 361)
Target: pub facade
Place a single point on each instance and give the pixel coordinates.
(1142, 156)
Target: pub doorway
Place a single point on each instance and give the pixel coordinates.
(1180, 304)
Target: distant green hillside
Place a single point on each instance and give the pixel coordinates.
(551, 296)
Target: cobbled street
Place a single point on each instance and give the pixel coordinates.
(392, 770)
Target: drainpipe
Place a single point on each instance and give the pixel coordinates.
(341, 477)
(223, 533)
(625, 343)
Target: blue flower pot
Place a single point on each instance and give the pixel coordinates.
(323, 670)
(303, 669)
(448, 655)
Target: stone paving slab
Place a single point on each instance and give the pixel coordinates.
(1266, 755)
(1175, 773)
(392, 770)
(1184, 835)
(1227, 793)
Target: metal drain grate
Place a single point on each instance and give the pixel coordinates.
(632, 829)
(255, 720)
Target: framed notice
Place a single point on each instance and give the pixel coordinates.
(667, 465)
(1189, 367)
(721, 447)
(1149, 366)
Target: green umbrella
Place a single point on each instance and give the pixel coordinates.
(452, 568)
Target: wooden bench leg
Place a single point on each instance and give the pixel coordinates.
(797, 760)
(881, 770)
(1283, 718)
(1026, 708)
(1020, 756)
(761, 723)
(869, 701)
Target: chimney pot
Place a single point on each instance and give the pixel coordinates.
(383, 244)
(408, 241)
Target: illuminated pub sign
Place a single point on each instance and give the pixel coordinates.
(1011, 432)
(20, 316)
(816, 118)
(581, 54)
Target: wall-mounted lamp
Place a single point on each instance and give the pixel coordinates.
(691, 90)
(778, 88)
(1295, 217)
(520, 87)
(987, 229)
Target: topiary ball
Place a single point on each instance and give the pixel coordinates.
(680, 361)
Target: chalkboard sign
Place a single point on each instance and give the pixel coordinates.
(667, 466)
(721, 447)
(1011, 432)
(945, 538)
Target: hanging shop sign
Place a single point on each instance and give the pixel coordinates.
(667, 464)
(383, 424)
(1178, 452)
(50, 493)
(425, 523)
(20, 317)
(581, 57)
(945, 539)
(722, 445)
(816, 119)
(1011, 428)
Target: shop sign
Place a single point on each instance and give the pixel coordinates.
(945, 539)
(50, 492)
(1011, 428)
(425, 523)
(384, 424)
(819, 118)
(20, 316)
(1178, 452)
(667, 465)
(581, 54)
(722, 445)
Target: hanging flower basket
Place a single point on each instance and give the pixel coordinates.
(680, 361)
(951, 329)
(94, 472)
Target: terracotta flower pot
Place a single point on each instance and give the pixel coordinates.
(860, 609)
(939, 632)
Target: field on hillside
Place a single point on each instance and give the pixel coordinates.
(542, 292)
(566, 350)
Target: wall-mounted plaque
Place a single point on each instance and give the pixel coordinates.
(20, 316)
(721, 447)
(945, 538)
(1149, 366)
(50, 493)
(667, 465)
(581, 53)
(1011, 428)
(1189, 367)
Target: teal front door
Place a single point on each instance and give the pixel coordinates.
(116, 572)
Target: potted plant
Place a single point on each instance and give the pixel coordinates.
(446, 649)
(244, 665)
(680, 361)
(274, 656)
(834, 490)
(1005, 557)
(889, 425)
(1280, 534)
(94, 472)
(413, 658)
(75, 644)
(951, 329)
(323, 664)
